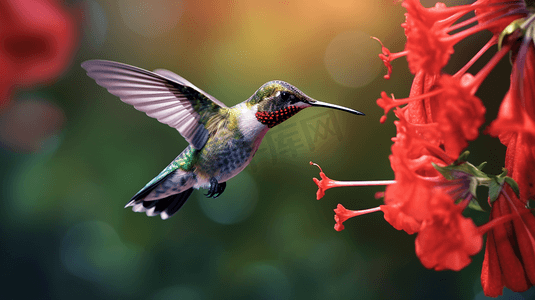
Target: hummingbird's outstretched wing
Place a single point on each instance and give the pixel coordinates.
(177, 78)
(162, 94)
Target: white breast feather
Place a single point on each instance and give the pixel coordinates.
(249, 125)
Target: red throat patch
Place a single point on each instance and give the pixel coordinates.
(275, 118)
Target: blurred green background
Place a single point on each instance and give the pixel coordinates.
(65, 234)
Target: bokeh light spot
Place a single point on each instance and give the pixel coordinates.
(93, 251)
(351, 59)
(27, 124)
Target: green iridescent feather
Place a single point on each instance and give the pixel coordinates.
(184, 161)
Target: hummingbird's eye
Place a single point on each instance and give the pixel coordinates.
(286, 96)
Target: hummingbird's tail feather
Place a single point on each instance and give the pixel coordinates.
(164, 196)
(165, 207)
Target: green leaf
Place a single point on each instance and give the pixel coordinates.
(474, 204)
(463, 157)
(512, 183)
(494, 190)
(473, 187)
(464, 169)
(471, 177)
(446, 171)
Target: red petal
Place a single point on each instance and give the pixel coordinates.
(498, 24)
(514, 276)
(491, 274)
(446, 239)
(525, 244)
(400, 220)
(459, 114)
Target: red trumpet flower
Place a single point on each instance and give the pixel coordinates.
(433, 181)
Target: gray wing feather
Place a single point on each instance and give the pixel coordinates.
(183, 81)
(162, 95)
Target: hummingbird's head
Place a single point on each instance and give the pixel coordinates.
(278, 100)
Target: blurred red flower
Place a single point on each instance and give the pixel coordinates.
(38, 40)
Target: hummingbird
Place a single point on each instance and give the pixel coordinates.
(222, 140)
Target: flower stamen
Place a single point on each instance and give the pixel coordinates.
(326, 183)
(342, 214)
(386, 56)
(480, 53)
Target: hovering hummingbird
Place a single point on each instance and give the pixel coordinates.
(222, 140)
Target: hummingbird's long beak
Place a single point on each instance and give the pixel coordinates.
(329, 105)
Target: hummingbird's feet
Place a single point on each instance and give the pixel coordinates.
(216, 188)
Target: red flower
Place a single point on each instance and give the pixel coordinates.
(386, 56)
(512, 117)
(510, 250)
(428, 46)
(416, 147)
(441, 115)
(446, 239)
(324, 184)
(459, 113)
(420, 93)
(517, 112)
(342, 214)
(519, 136)
(510, 253)
(429, 34)
(433, 182)
(499, 13)
(429, 30)
(399, 220)
(38, 40)
(408, 202)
